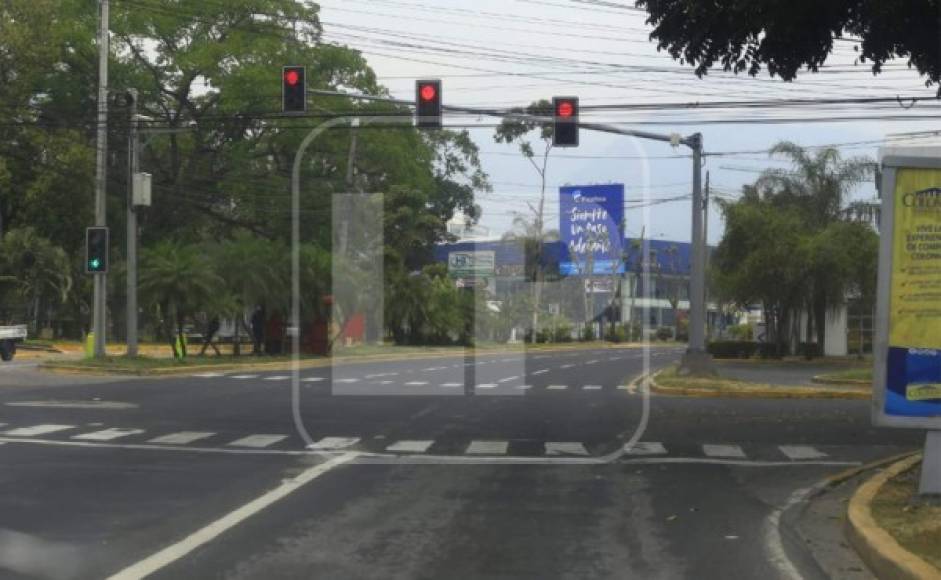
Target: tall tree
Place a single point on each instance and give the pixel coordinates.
(785, 37)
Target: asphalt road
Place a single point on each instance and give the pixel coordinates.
(556, 467)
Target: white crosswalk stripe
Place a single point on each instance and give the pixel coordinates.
(243, 377)
(487, 386)
(487, 448)
(646, 448)
(333, 443)
(451, 385)
(557, 387)
(258, 441)
(277, 378)
(37, 430)
(724, 451)
(410, 446)
(182, 438)
(416, 383)
(592, 388)
(313, 379)
(346, 381)
(801, 452)
(523, 387)
(108, 434)
(565, 448)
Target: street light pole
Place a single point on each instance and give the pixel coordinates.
(99, 304)
(133, 167)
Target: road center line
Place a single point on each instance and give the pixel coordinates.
(174, 552)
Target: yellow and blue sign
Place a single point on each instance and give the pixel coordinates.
(912, 366)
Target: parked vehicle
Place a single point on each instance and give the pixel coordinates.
(9, 337)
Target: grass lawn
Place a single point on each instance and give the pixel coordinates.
(670, 382)
(861, 374)
(917, 527)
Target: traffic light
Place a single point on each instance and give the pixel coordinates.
(428, 103)
(96, 250)
(293, 89)
(565, 121)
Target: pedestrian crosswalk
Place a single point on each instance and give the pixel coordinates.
(716, 452)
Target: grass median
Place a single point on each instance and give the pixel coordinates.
(915, 525)
(670, 382)
(855, 376)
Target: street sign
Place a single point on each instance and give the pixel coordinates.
(470, 283)
(471, 264)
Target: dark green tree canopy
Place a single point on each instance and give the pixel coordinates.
(785, 36)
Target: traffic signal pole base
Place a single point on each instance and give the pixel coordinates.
(697, 363)
(930, 483)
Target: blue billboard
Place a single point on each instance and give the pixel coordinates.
(591, 225)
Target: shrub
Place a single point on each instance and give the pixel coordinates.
(562, 333)
(588, 334)
(770, 350)
(741, 332)
(616, 334)
(664, 333)
(732, 348)
(809, 350)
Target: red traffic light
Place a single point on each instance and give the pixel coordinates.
(428, 92)
(565, 109)
(292, 77)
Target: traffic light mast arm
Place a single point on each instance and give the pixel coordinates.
(691, 141)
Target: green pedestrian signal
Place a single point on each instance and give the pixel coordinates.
(96, 250)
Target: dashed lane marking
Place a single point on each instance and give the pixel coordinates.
(35, 430)
(107, 434)
(567, 366)
(416, 383)
(277, 378)
(487, 448)
(333, 443)
(182, 438)
(644, 448)
(523, 387)
(508, 379)
(313, 379)
(592, 388)
(243, 377)
(451, 385)
(593, 361)
(346, 381)
(557, 387)
(258, 441)
(541, 372)
(410, 446)
(207, 375)
(801, 452)
(565, 448)
(487, 386)
(724, 451)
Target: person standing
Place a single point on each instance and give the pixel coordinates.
(211, 329)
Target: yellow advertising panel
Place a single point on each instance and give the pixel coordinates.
(915, 300)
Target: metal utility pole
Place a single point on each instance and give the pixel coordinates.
(133, 145)
(705, 246)
(99, 305)
(697, 360)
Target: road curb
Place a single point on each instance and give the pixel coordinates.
(66, 368)
(881, 552)
(767, 393)
(824, 380)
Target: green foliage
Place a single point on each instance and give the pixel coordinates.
(35, 276)
(746, 36)
(741, 332)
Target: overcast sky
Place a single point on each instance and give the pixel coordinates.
(503, 53)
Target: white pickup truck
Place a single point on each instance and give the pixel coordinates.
(9, 336)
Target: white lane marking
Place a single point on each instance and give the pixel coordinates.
(801, 452)
(451, 385)
(593, 361)
(541, 356)
(347, 381)
(557, 387)
(107, 434)
(429, 369)
(727, 451)
(487, 448)
(591, 388)
(385, 382)
(565, 448)
(509, 359)
(313, 379)
(94, 404)
(541, 372)
(243, 377)
(508, 379)
(257, 441)
(642, 448)
(277, 378)
(416, 383)
(37, 430)
(615, 358)
(207, 375)
(174, 552)
(333, 443)
(380, 375)
(774, 542)
(523, 387)
(487, 386)
(182, 438)
(409, 446)
(568, 366)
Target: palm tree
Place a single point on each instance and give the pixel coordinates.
(817, 185)
(37, 271)
(178, 280)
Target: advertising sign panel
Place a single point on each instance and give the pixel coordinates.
(591, 227)
(907, 379)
